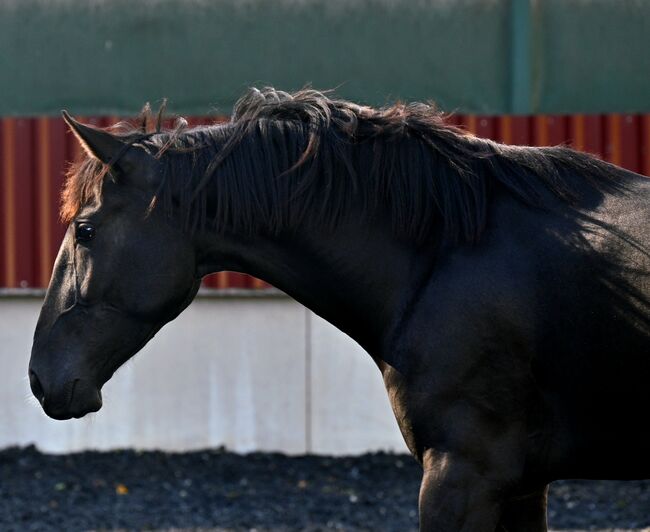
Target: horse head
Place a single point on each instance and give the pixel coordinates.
(121, 273)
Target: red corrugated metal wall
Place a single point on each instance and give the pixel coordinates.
(34, 152)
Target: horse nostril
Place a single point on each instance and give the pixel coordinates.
(37, 388)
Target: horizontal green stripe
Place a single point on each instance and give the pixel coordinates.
(110, 56)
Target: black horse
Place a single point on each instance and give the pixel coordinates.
(503, 292)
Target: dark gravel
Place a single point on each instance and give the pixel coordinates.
(216, 490)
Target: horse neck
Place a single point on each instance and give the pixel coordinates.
(357, 276)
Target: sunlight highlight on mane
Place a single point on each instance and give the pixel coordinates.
(84, 178)
(82, 186)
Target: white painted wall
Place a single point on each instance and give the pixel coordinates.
(249, 373)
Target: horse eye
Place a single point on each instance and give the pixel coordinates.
(85, 232)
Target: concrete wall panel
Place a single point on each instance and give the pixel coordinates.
(350, 412)
(226, 372)
(248, 373)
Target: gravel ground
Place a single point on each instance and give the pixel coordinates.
(216, 490)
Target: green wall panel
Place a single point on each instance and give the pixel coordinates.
(593, 56)
(486, 56)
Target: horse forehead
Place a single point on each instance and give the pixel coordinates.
(90, 209)
(113, 198)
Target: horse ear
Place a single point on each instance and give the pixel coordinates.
(96, 142)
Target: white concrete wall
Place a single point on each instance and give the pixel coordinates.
(248, 373)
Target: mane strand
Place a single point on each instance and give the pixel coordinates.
(286, 159)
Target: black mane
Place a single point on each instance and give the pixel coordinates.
(285, 160)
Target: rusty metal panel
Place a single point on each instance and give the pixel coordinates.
(50, 161)
(515, 130)
(645, 144)
(630, 142)
(586, 133)
(18, 214)
(34, 154)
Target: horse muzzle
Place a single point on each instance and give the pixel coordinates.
(73, 398)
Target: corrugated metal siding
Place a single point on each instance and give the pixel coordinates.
(34, 152)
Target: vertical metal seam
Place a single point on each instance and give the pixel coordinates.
(471, 123)
(541, 130)
(579, 137)
(615, 149)
(505, 123)
(308, 382)
(645, 144)
(45, 180)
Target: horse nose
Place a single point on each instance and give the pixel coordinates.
(37, 388)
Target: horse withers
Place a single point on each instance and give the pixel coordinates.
(503, 292)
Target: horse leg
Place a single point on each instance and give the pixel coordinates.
(525, 514)
(456, 497)
(471, 437)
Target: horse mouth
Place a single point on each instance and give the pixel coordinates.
(76, 400)
(65, 414)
